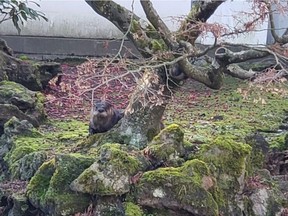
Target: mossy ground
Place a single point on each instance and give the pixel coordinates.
(238, 109)
(233, 112)
(132, 209)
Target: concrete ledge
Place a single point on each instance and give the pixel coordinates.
(43, 46)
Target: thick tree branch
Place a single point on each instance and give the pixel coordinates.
(284, 38)
(225, 56)
(123, 18)
(158, 24)
(200, 12)
(209, 76)
(236, 71)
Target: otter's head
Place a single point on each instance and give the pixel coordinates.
(102, 109)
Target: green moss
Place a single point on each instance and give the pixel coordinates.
(53, 137)
(245, 109)
(132, 209)
(39, 183)
(279, 142)
(110, 173)
(161, 152)
(26, 167)
(113, 136)
(172, 130)
(40, 100)
(226, 155)
(19, 152)
(9, 89)
(69, 167)
(193, 167)
(87, 180)
(56, 136)
(228, 161)
(57, 176)
(168, 144)
(120, 159)
(179, 187)
(23, 57)
(158, 45)
(135, 26)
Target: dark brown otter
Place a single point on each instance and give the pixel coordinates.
(103, 117)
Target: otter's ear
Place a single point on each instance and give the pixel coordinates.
(108, 105)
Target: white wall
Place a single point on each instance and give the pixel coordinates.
(75, 18)
(224, 15)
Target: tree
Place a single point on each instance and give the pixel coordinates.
(18, 12)
(174, 55)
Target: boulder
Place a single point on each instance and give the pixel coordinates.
(109, 205)
(12, 128)
(18, 101)
(228, 161)
(109, 174)
(33, 75)
(5, 48)
(185, 190)
(260, 150)
(26, 167)
(49, 189)
(167, 147)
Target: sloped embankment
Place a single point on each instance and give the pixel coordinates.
(212, 161)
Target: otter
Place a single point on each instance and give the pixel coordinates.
(103, 117)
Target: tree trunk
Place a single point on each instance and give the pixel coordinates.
(142, 120)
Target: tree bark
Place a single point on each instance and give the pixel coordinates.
(200, 12)
(224, 56)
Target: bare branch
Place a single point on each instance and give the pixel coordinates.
(200, 12)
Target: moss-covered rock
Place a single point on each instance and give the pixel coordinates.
(279, 142)
(184, 189)
(109, 174)
(33, 75)
(109, 206)
(20, 205)
(18, 101)
(264, 197)
(260, 149)
(225, 155)
(26, 166)
(22, 146)
(167, 147)
(49, 189)
(227, 160)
